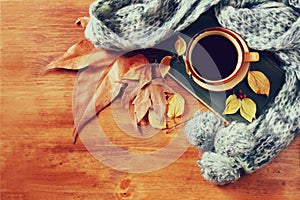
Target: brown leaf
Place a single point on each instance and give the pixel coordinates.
(85, 95)
(165, 65)
(258, 82)
(156, 121)
(162, 82)
(79, 56)
(136, 77)
(158, 97)
(108, 87)
(151, 100)
(248, 109)
(175, 106)
(111, 80)
(150, 94)
(141, 73)
(132, 115)
(82, 21)
(130, 91)
(180, 46)
(233, 104)
(144, 121)
(142, 103)
(137, 61)
(156, 71)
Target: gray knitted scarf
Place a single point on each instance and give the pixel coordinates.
(266, 25)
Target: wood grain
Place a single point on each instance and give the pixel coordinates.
(38, 159)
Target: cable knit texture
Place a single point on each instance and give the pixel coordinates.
(265, 25)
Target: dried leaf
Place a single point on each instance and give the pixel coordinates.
(161, 81)
(156, 72)
(132, 115)
(130, 91)
(158, 97)
(175, 106)
(79, 56)
(150, 94)
(180, 46)
(108, 87)
(151, 99)
(248, 109)
(144, 121)
(233, 104)
(166, 60)
(142, 103)
(258, 82)
(165, 65)
(87, 98)
(82, 21)
(141, 73)
(155, 121)
(112, 78)
(137, 61)
(230, 98)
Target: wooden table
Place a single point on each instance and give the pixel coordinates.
(38, 159)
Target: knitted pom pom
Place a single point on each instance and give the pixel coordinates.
(219, 169)
(295, 3)
(201, 130)
(234, 140)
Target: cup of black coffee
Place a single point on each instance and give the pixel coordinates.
(218, 58)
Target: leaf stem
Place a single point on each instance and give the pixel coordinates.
(170, 129)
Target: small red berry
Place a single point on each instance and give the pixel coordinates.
(245, 96)
(240, 91)
(241, 96)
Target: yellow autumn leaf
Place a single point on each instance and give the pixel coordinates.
(155, 120)
(233, 104)
(180, 46)
(258, 82)
(248, 109)
(165, 65)
(175, 106)
(230, 98)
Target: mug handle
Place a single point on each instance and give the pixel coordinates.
(251, 57)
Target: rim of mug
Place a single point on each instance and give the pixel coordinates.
(238, 42)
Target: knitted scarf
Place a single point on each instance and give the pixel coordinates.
(266, 25)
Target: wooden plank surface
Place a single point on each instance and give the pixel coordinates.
(38, 159)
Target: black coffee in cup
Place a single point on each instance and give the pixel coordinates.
(214, 57)
(218, 59)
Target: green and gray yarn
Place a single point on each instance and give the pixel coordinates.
(274, 26)
(135, 24)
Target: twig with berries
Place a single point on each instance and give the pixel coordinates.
(240, 102)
